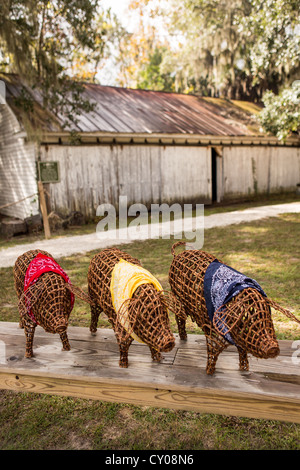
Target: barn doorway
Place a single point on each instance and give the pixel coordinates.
(213, 175)
(216, 174)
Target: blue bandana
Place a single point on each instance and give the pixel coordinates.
(221, 284)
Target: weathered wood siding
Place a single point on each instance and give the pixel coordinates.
(92, 175)
(17, 168)
(257, 170)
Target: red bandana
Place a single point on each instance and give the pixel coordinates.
(39, 265)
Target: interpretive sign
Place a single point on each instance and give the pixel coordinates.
(49, 172)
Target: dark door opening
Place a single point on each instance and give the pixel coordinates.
(213, 175)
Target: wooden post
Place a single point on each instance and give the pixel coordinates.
(44, 210)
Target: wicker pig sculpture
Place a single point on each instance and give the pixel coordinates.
(133, 301)
(46, 296)
(229, 307)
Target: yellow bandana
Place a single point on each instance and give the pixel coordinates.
(126, 278)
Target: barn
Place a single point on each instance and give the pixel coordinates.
(150, 146)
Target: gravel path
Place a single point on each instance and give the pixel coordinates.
(69, 245)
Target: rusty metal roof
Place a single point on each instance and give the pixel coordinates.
(124, 110)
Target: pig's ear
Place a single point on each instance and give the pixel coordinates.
(123, 326)
(286, 312)
(79, 293)
(171, 302)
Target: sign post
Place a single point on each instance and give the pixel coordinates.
(44, 210)
(48, 172)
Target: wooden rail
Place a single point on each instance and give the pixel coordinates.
(270, 390)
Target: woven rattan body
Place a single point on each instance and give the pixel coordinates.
(49, 298)
(147, 310)
(247, 316)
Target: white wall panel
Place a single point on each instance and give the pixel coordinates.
(92, 175)
(256, 170)
(17, 168)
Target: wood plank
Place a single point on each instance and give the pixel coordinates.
(201, 400)
(196, 357)
(43, 207)
(90, 370)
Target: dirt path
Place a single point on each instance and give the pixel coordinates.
(68, 245)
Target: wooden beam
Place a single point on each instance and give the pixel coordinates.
(198, 399)
(270, 390)
(43, 207)
(173, 139)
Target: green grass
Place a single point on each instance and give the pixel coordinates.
(267, 250)
(42, 422)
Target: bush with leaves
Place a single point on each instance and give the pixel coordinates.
(281, 114)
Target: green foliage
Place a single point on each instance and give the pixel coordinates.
(275, 30)
(281, 114)
(38, 35)
(46, 43)
(236, 49)
(151, 76)
(211, 49)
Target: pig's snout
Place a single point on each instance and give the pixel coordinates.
(268, 347)
(271, 350)
(167, 344)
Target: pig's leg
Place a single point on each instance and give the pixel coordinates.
(95, 312)
(181, 321)
(156, 356)
(65, 341)
(244, 363)
(123, 347)
(29, 334)
(214, 348)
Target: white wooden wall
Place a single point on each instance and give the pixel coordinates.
(256, 170)
(17, 168)
(92, 175)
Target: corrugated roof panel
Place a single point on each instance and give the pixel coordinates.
(124, 110)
